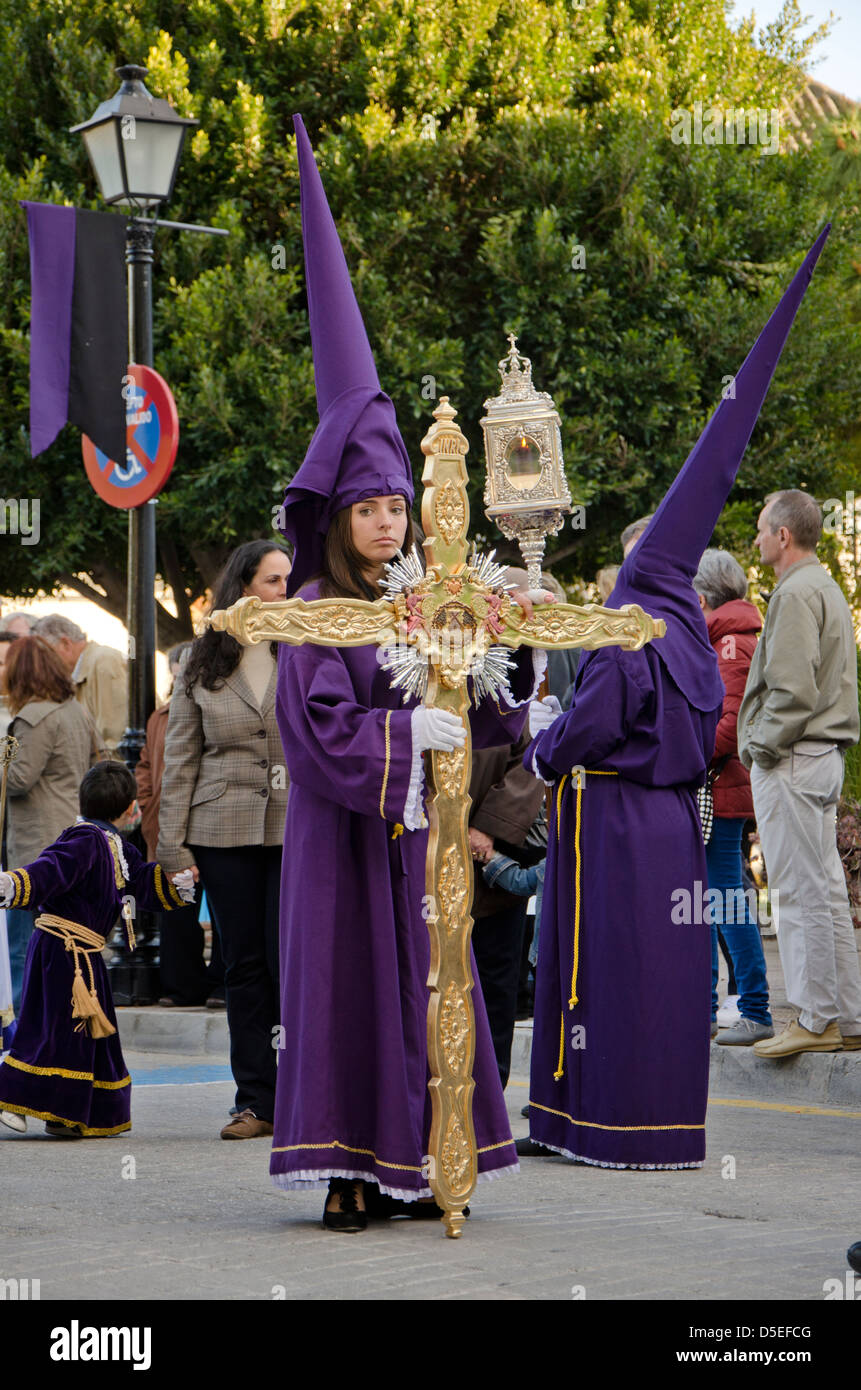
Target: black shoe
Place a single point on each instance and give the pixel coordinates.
(525, 1111)
(853, 1255)
(216, 1001)
(379, 1206)
(58, 1131)
(528, 1148)
(428, 1211)
(349, 1218)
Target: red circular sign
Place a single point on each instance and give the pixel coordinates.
(152, 437)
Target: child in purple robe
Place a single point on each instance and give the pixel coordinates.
(66, 1065)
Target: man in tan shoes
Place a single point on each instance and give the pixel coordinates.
(798, 715)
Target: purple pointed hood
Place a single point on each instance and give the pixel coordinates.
(659, 570)
(357, 450)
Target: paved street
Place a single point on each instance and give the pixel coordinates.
(199, 1219)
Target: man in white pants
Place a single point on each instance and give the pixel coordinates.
(798, 715)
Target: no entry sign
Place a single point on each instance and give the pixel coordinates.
(152, 436)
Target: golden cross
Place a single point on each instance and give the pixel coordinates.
(446, 626)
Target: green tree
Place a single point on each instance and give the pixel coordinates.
(469, 148)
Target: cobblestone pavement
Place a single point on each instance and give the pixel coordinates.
(200, 1220)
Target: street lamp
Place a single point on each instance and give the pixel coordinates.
(134, 142)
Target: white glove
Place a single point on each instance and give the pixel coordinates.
(183, 882)
(436, 728)
(543, 713)
(7, 890)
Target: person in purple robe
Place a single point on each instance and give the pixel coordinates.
(66, 1065)
(352, 1109)
(620, 1054)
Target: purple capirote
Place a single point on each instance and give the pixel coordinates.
(357, 450)
(657, 573)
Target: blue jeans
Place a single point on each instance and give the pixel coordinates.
(19, 927)
(738, 925)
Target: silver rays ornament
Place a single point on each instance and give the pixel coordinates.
(434, 630)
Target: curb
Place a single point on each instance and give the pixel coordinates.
(825, 1078)
(189, 1031)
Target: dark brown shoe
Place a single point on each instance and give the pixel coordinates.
(246, 1126)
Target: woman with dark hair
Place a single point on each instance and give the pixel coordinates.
(223, 799)
(57, 741)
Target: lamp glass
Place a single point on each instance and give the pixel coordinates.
(151, 150)
(103, 150)
(523, 462)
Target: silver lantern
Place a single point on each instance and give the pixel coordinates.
(526, 493)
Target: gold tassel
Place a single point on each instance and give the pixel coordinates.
(86, 1008)
(82, 1004)
(560, 1065)
(81, 941)
(130, 931)
(100, 1026)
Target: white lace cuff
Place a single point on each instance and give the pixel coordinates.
(414, 809)
(539, 666)
(183, 882)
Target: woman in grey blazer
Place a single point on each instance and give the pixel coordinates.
(223, 802)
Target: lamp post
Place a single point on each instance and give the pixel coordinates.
(134, 142)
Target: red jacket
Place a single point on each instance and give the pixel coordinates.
(733, 632)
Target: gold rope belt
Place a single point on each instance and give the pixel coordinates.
(573, 999)
(81, 941)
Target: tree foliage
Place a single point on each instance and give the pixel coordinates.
(468, 148)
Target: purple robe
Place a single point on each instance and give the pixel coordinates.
(351, 1093)
(621, 1078)
(54, 1072)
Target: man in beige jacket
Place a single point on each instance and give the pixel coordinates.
(798, 715)
(100, 675)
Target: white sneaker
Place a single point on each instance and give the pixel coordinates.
(13, 1121)
(728, 1014)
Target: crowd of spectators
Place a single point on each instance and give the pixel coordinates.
(213, 787)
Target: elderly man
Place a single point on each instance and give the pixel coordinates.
(100, 675)
(798, 715)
